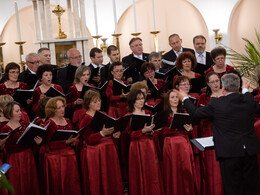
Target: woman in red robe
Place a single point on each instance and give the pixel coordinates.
(218, 56)
(178, 160)
(99, 159)
(117, 103)
(23, 174)
(44, 72)
(210, 170)
(74, 105)
(60, 168)
(186, 63)
(12, 71)
(145, 176)
(148, 71)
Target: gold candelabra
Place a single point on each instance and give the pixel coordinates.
(1, 56)
(117, 40)
(97, 40)
(135, 34)
(58, 11)
(22, 62)
(218, 36)
(155, 39)
(104, 45)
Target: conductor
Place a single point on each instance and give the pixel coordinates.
(235, 140)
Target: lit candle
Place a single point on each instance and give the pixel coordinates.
(134, 16)
(17, 22)
(154, 23)
(115, 18)
(95, 15)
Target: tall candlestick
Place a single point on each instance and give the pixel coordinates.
(134, 16)
(115, 18)
(154, 23)
(17, 21)
(95, 15)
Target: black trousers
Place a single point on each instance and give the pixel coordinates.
(240, 175)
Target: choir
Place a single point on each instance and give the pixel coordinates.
(143, 161)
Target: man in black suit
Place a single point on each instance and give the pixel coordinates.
(235, 140)
(176, 44)
(97, 68)
(45, 58)
(137, 56)
(204, 60)
(114, 56)
(65, 75)
(28, 76)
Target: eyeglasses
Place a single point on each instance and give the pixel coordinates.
(36, 62)
(14, 72)
(76, 57)
(212, 82)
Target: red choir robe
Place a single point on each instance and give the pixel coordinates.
(117, 106)
(178, 162)
(59, 165)
(36, 96)
(228, 68)
(145, 176)
(99, 163)
(23, 174)
(210, 170)
(9, 91)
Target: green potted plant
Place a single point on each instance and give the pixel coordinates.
(247, 63)
(5, 183)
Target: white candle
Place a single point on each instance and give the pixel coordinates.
(154, 23)
(134, 16)
(115, 18)
(95, 15)
(17, 22)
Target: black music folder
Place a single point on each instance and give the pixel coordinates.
(137, 121)
(11, 133)
(155, 92)
(154, 109)
(170, 74)
(204, 143)
(179, 120)
(193, 100)
(101, 89)
(100, 119)
(201, 68)
(65, 134)
(118, 87)
(255, 92)
(197, 84)
(22, 95)
(32, 131)
(160, 120)
(52, 92)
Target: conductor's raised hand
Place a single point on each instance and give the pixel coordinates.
(107, 131)
(181, 94)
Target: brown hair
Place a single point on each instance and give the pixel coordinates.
(10, 66)
(44, 68)
(134, 39)
(131, 99)
(4, 99)
(145, 66)
(182, 57)
(179, 79)
(217, 51)
(89, 96)
(8, 109)
(138, 86)
(41, 107)
(167, 106)
(79, 72)
(199, 37)
(51, 105)
(93, 52)
(111, 68)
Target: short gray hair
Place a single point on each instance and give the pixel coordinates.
(31, 55)
(154, 55)
(231, 82)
